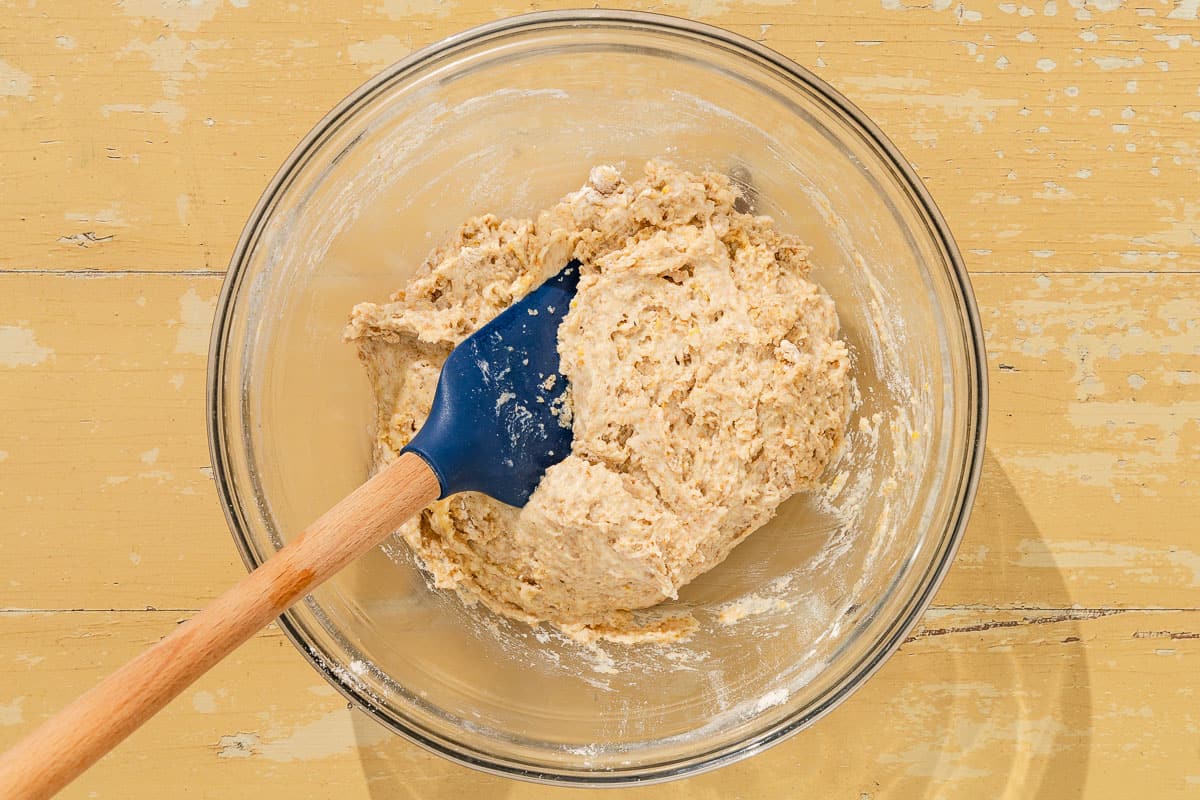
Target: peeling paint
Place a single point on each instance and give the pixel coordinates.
(19, 348)
(204, 702)
(11, 713)
(1185, 9)
(971, 104)
(194, 323)
(330, 735)
(407, 9)
(237, 745)
(85, 239)
(908, 5)
(990, 625)
(110, 215)
(1117, 62)
(1094, 555)
(14, 82)
(378, 53)
(1093, 416)
(175, 60)
(183, 15)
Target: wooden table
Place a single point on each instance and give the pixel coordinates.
(1062, 141)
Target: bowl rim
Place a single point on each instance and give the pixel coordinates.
(977, 400)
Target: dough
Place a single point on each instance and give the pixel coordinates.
(707, 380)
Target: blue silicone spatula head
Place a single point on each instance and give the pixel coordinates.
(498, 422)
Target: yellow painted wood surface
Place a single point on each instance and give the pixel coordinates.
(1062, 141)
(985, 704)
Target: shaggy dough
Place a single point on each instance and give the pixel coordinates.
(708, 385)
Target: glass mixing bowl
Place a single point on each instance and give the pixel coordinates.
(506, 118)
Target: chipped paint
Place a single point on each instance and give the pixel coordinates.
(184, 15)
(1108, 63)
(110, 215)
(193, 325)
(910, 5)
(11, 713)
(970, 104)
(176, 60)
(19, 348)
(331, 734)
(237, 745)
(1185, 9)
(14, 82)
(379, 52)
(204, 702)
(153, 125)
(407, 9)
(1091, 555)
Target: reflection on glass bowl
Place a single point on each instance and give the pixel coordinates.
(506, 118)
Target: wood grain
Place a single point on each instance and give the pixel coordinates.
(990, 704)
(1018, 115)
(57, 751)
(1061, 138)
(1091, 486)
(105, 488)
(90, 475)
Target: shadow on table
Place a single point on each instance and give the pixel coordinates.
(1004, 695)
(980, 703)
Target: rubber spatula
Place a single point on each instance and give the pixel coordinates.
(494, 428)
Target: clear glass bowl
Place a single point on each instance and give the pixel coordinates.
(506, 118)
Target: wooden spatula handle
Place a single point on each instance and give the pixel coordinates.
(71, 741)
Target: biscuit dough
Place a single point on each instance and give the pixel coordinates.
(707, 380)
